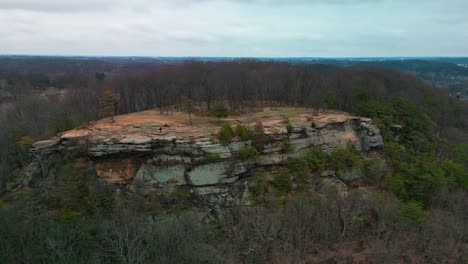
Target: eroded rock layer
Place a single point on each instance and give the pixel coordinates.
(161, 158)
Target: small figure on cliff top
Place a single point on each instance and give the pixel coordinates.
(160, 129)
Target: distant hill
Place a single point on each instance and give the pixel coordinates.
(436, 72)
(442, 72)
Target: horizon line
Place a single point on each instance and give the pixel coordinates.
(227, 57)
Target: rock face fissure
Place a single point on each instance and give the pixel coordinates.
(164, 163)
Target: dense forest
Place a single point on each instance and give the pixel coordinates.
(451, 74)
(418, 214)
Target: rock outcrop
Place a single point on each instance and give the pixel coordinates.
(164, 160)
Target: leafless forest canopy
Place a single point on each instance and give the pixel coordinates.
(417, 214)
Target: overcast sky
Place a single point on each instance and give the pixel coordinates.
(240, 28)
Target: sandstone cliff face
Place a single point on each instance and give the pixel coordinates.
(161, 160)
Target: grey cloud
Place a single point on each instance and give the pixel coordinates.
(190, 36)
(56, 5)
(277, 3)
(347, 2)
(234, 27)
(102, 5)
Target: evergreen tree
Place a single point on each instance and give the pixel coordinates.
(220, 110)
(187, 107)
(258, 137)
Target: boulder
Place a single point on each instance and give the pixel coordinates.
(371, 140)
(211, 174)
(222, 151)
(162, 176)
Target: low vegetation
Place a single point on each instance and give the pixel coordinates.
(286, 147)
(248, 153)
(212, 157)
(282, 181)
(225, 134)
(220, 110)
(244, 133)
(289, 128)
(258, 137)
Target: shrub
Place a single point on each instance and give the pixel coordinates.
(343, 158)
(225, 134)
(213, 138)
(244, 132)
(192, 140)
(99, 200)
(25, 141)
(259, 187)
(258, 137)
(289, 128)
(248, 153)
(212, 157)
(455, 174)
(300, 169)
(396, 184)
(282, 181)
(220, 110)
(412, 213)
(157, 162)
(374, 170)
(297, 165)
(69, 217)
(304, 132)
(68, 189)
(316, 159)
(286, 147)
(181, 196)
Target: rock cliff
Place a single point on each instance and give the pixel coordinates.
(162, 154)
